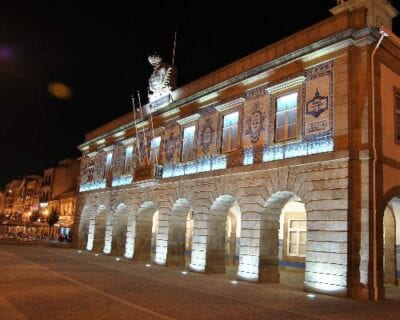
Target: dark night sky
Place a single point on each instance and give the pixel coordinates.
(100, 48)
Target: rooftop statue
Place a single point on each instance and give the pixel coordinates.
(163, 79)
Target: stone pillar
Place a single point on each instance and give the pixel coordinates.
(162, 239)
(91, 231)
(131, 232)
(327, 231)
(249, 253)
(108, 233)
(389, 248)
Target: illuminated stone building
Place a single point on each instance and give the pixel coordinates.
(286, 158)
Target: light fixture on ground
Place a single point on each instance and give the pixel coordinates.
(234, 282)
(96, 254)
(184, 272)
(117, 259)
(311, 295)
(148, 265)
(79, 251)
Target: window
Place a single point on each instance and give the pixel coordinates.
(397, 117)
(297, 238)
(286, 117)
(155, 149)
(108, 165)
(128, 160)
(188, 147)
(230, 132)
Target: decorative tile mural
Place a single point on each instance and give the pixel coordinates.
(99, 166)
(142, 149)
(255, 121)
(318, 101)
(171, 144)
(207, 135)
(118, 160)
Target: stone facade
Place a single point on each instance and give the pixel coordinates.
(213, 170)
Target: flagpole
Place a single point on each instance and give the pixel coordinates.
(134, 121)
(152, 130)
(174, 47)
(144, 135)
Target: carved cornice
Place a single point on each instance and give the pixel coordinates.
(229, 104)
(128, 141)
(92, 154)
(191, 118)
(286, 84)
(108, 148)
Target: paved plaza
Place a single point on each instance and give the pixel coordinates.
(39, 282)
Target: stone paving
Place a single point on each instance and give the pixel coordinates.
(40, 282)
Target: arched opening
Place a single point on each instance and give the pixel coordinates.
(146, 231)
(180, 233)
(119, 230)
(100, 222)
(391, 243)
(292, 242)
(283, 240)
(223, 235)
(84, 227)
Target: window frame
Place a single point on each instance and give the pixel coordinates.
(156, 159)
(127, 169)
(297, 89)
(221, 129)
(297, 230)
(108, 165)
(183, 127)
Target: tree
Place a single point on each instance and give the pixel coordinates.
(53, 217)
(35, 215)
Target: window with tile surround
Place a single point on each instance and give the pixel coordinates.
(108, 171)
(230, 132)
(128, 160)
(286, 117)
(188, 143)
(155, 150)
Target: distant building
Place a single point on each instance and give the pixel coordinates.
(30, 195)
(22, 197)
(285, 159)
(11, 192)
(59, 190)
(2, 201)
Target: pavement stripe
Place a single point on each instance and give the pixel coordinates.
(132, 305)
(199, 290)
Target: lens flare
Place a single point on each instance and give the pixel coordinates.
(59, 90)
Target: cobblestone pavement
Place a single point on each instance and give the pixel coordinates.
(39, 282)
